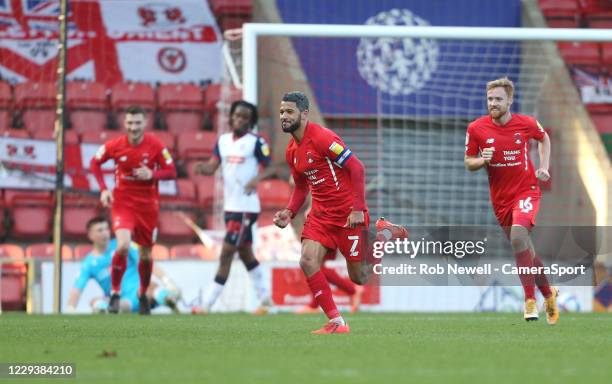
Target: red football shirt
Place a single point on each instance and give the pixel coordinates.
(151, 152)
(511, 171)
(318, 160)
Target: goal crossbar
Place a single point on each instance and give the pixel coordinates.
(253, 30)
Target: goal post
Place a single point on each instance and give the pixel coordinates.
(405, 126)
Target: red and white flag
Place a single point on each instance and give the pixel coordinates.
(111, 41)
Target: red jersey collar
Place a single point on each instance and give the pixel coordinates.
(503, 125)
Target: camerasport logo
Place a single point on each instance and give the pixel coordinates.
(172, 60)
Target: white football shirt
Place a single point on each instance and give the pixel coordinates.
(240, 161)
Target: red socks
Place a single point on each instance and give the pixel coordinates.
(322, 294)
(145, 268)
(344, 283)
(540, 279)
(523, 259)
(118, 266)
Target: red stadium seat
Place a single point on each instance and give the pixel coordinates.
(179, 96)
(213, 222)
(160, 252)
(266, 217)
(580, 53)
(81, 250)
(12, 196)
(599, 108)
(124, 95)
(173, 229)
(31, 221)
(196, 145)
(17, 133)
(606, 54)
(150, 119)
(35, 120)
(231, 7)
(178, 122)
(11, 251)
(168, 139)
(75, 221)
(186, 197)
(46, 251)
(212, 95)
(6, 96)
(13, 279)
(35, 95)
(274, 194)
(563, 23)
(5, 120)
(192, 251)
(559, 8)
(86, 121)
(603, 122)
(206, 191)
(70, 137)
(85, 95)
(99, 137)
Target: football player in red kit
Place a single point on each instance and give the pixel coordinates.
(141, 160)
(499, 142)
(322, 163)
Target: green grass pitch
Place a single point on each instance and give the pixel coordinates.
(382, 348)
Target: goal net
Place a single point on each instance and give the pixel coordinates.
(403, 101)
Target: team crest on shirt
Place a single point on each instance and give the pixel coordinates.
(123, 158)
(490, 140)
(517, 138)
(310, 160)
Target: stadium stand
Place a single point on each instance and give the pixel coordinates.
(192, 251)
(81, 250)
(172, 229)
(30, 215)
(274, 193)
(196, 145)
(88, 121)
(45, 251)
(99, 137)
(13, 278)
(160, 252)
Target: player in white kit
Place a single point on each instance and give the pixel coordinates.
(244, 158)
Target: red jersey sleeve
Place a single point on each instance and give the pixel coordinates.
(300, 191)
(104, 153)
(166, 169)
(535, 130)
(472, 147)
(331, 145)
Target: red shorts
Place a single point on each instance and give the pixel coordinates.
(523, 212)
(141, 222)
(351, 242)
